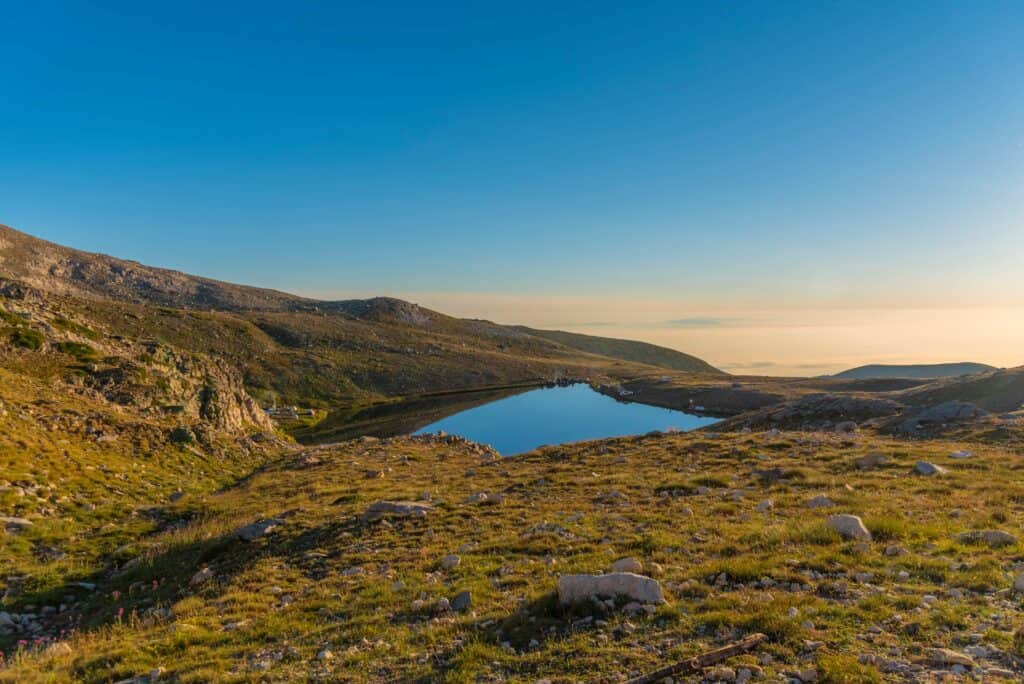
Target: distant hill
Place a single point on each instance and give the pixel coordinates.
(627, 350)
(920, 371)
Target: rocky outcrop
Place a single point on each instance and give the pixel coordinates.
(941, 414)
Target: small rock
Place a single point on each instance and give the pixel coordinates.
(849, 526)
(627, 565)
(201, 577)
(462, 602)
(450, 562)
(946, 657)
(260, 528)
(871, 461)
(926, 468)
(820, 501)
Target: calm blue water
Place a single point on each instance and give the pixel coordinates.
(557, 415)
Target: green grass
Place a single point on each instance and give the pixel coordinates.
(26, 338)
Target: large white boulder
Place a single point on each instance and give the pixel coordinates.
(577, 588)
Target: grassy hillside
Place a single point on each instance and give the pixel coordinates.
(627, 350)
(326, 596)
(921, 371)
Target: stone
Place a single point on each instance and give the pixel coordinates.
(960, 455)
(928, 469)
(849, 527)
(846, 427)
(720, 674)
(14, 524)
(260, 528)
(486, 499)
(462, 602)
(809, 674)
(765, 505)
(450, 562)
(201, 577)
(627, 565)
(994, 538)
(946, 657)
(874, 460)
(396, 509)
(576, 588)
(325, 654)
(1018, 584)
(820, 501)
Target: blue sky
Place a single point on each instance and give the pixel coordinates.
(798, 154)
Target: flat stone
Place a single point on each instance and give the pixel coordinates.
(396, 509)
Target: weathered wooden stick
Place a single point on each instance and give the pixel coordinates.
(699, 662)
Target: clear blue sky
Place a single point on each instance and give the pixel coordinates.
(796, 149)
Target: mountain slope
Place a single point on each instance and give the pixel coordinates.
(925, 371)
(627, 350)
(299, 350)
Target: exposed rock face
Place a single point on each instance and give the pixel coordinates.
(839, 412)
(577, 588)
(946, 412)
(396, 509)
(849, 526)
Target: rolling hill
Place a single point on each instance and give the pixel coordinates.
(919, 371)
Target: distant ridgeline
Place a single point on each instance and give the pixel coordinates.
(924, 371)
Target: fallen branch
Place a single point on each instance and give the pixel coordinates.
(699, 662)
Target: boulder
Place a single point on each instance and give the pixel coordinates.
(15, 524)
(260, 528)
(201, 577)
(874, 460)
(577, 588)
(627, 565)
(396, 509)
(462, 602)
(820, 501)
(928, 469)
(960, 455)
(846, 427)
(849, 527)
(990, 537)
(450, 562)
(945, 657)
